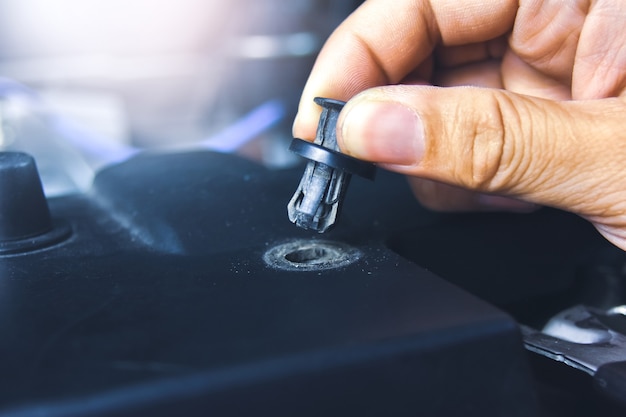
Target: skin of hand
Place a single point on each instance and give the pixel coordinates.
(485, 103)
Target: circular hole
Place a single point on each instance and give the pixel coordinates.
(307, 255)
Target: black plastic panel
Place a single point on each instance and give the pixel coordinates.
(161, 304)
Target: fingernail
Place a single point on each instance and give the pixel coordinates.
(384, 132)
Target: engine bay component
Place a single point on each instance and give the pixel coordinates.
(161, 304)
(317, 202)
(587, 339)
(25, 221)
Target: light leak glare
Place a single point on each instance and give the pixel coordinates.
(112, 26)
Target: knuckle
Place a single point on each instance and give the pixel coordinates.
(493, 147)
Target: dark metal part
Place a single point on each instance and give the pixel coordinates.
(582, 337)
(317, 202)
(587, 339)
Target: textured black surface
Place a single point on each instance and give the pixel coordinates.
(160, 303)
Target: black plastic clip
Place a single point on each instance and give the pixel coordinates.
(316, 205)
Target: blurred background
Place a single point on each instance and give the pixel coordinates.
(87, 83)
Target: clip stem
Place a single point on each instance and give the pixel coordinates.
(317, 202)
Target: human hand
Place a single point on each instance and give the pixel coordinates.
(544, 122)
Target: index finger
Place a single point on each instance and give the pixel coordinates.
(384, 40)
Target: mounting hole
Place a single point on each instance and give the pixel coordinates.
(311, 255)
(307, 256)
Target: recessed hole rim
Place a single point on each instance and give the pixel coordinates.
(330, 255)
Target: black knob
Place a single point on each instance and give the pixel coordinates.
(23, 207)
(25, 221)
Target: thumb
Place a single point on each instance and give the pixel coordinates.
(567, 154)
